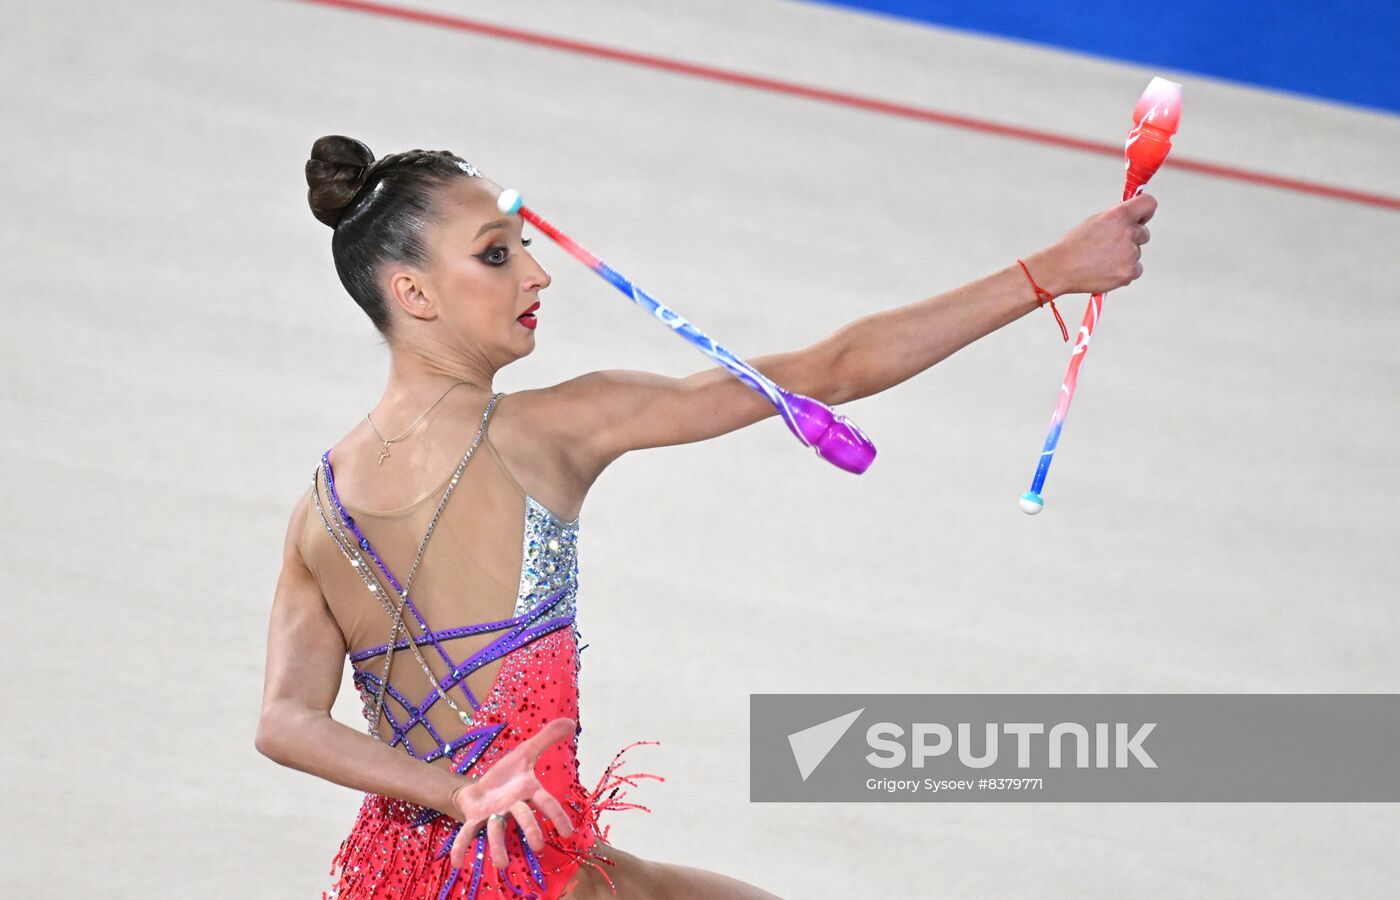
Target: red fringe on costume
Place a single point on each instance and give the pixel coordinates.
(597, 804)
(385, 857)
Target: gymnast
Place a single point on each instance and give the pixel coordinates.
(436, 545)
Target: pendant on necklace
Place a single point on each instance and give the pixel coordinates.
(383, 453)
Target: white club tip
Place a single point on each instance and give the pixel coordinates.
(1162, 87)
(509, 202)
(1159, 105)
(1031, 505)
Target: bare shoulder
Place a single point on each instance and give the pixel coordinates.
(298, 578)
(567, 418)
(296, 528)
(544, 436)
(571, 406)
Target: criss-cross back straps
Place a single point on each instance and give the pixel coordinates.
(351, 551)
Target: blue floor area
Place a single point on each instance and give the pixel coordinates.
(1347, 52)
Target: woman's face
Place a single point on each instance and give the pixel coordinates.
(480, 277)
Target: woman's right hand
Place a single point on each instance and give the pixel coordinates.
(1100, 254)
(505, 788)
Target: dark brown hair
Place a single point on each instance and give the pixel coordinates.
(377, 208)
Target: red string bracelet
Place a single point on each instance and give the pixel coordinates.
(1042, 297)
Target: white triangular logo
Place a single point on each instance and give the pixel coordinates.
(811, 745)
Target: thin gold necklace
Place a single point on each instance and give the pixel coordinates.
(387, 441)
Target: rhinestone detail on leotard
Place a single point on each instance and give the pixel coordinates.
(397, 848)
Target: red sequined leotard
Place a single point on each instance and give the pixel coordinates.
(507, 676)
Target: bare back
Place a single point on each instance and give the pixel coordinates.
(492, 552)
(496, 560)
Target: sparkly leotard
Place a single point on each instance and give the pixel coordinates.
(396, 848)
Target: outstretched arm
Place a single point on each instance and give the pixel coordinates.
(608, 413)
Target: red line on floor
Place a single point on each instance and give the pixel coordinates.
(855, 101)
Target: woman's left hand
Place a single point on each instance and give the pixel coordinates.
(505, 788)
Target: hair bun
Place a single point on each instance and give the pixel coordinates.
(335, 173)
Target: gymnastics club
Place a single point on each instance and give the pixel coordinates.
(1154, 119)
(835, 439)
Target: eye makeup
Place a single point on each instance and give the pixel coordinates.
(498, 254)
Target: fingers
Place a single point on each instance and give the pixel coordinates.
(554, 810)
(553, 731)
(528, 824)
(1141, 207)
(519, 778)
(458, 854)
(496, 838)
